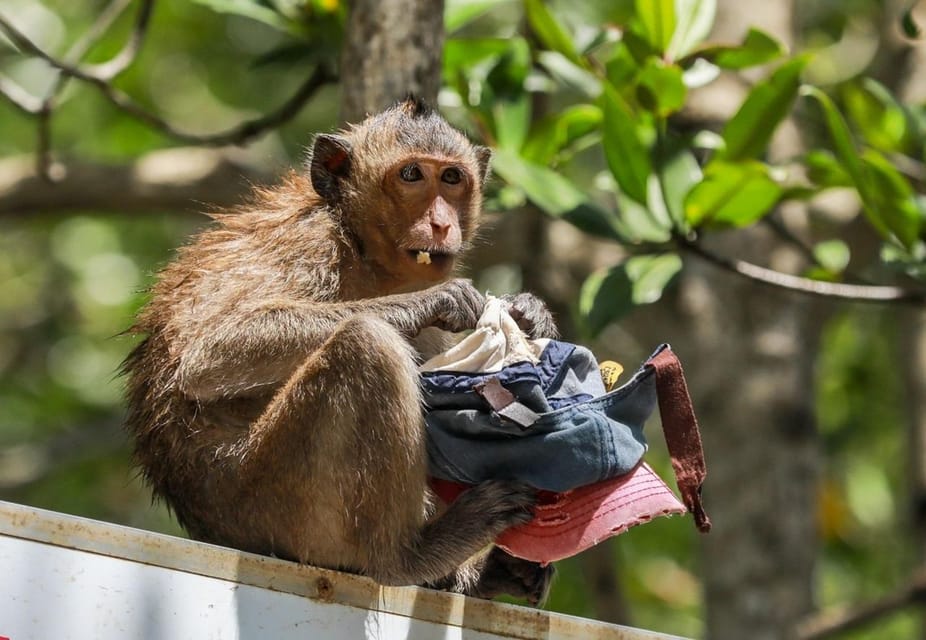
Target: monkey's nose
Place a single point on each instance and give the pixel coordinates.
(440, 230)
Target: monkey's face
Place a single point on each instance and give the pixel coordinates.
(433, 201)
(408, 187)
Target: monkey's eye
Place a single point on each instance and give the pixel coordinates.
(411, 173)
(451, 176)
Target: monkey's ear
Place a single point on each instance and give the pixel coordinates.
(484, 157)
(331, 164)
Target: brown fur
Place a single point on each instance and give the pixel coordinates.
(274, 399)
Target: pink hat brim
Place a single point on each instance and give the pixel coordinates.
(569, 522)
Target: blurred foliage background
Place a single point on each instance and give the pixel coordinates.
(616, 158)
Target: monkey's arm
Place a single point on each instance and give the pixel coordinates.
(260, 345)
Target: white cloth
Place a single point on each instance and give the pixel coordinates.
(496, 343)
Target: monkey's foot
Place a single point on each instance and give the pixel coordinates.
(507, 574)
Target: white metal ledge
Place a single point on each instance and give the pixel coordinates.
(64, 577)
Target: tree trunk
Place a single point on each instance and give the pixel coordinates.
(393, 48)
(913, 360)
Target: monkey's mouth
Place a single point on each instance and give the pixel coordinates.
(434, 257)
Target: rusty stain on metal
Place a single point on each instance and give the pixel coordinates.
(198, 558)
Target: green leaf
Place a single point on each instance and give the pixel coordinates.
(639, 223)
(732, 194)
(694, 20)
(609, 294)
(550, 32)
(747, 134)
(605, 297)
(908, 24)
(555, 195)
(289, 54)
(570, 73)
(627, 157)
(832, 255)
(651, 274)
(825, 170)
(757, 48)
(660, 88)
(889, 201)
(458, 13)
(557, 131)
(657, 17)
(876, 114)
(256, 11)
(700, 73)
(841, 137)
(678, 172)
(511, 119)
(890, 198)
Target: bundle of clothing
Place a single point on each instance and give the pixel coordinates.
(499, 405)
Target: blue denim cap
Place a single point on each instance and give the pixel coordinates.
(551, 425)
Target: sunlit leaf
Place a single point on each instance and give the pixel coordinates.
(657, 17)
(660, 88)
(678, 172)
(694, 20)
(558, 130)
(757, 48)
(832, 255)
(549, 30)
(259, 12)
(458, 13)
(570, 73)
(876, 114)
(554, 194)
(748, 133)
(639, 223)
(700, 73)
(610, 294)
(627, 157)
(734, 194)
(651, 274)
(463, 53)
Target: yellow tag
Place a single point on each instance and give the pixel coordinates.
(610, 372)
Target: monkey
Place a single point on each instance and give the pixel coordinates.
(273, 397)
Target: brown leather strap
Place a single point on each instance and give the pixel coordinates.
(683, 438)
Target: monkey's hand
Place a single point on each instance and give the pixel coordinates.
(456, 305)
(532, 315)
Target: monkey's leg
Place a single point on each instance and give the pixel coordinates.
(495, 572)
(343, 441)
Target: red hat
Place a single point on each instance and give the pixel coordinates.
(571, 521)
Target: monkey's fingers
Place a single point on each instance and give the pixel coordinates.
(532, 315)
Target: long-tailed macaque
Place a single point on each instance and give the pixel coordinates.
(274, 400)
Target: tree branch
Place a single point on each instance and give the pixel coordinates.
(237, 135)
(842, 291)
(837, 620)
(178, 179)
(106, 70)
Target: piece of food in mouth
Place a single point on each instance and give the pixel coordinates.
(424, 257)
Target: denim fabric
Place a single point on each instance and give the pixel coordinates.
(583, 435)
